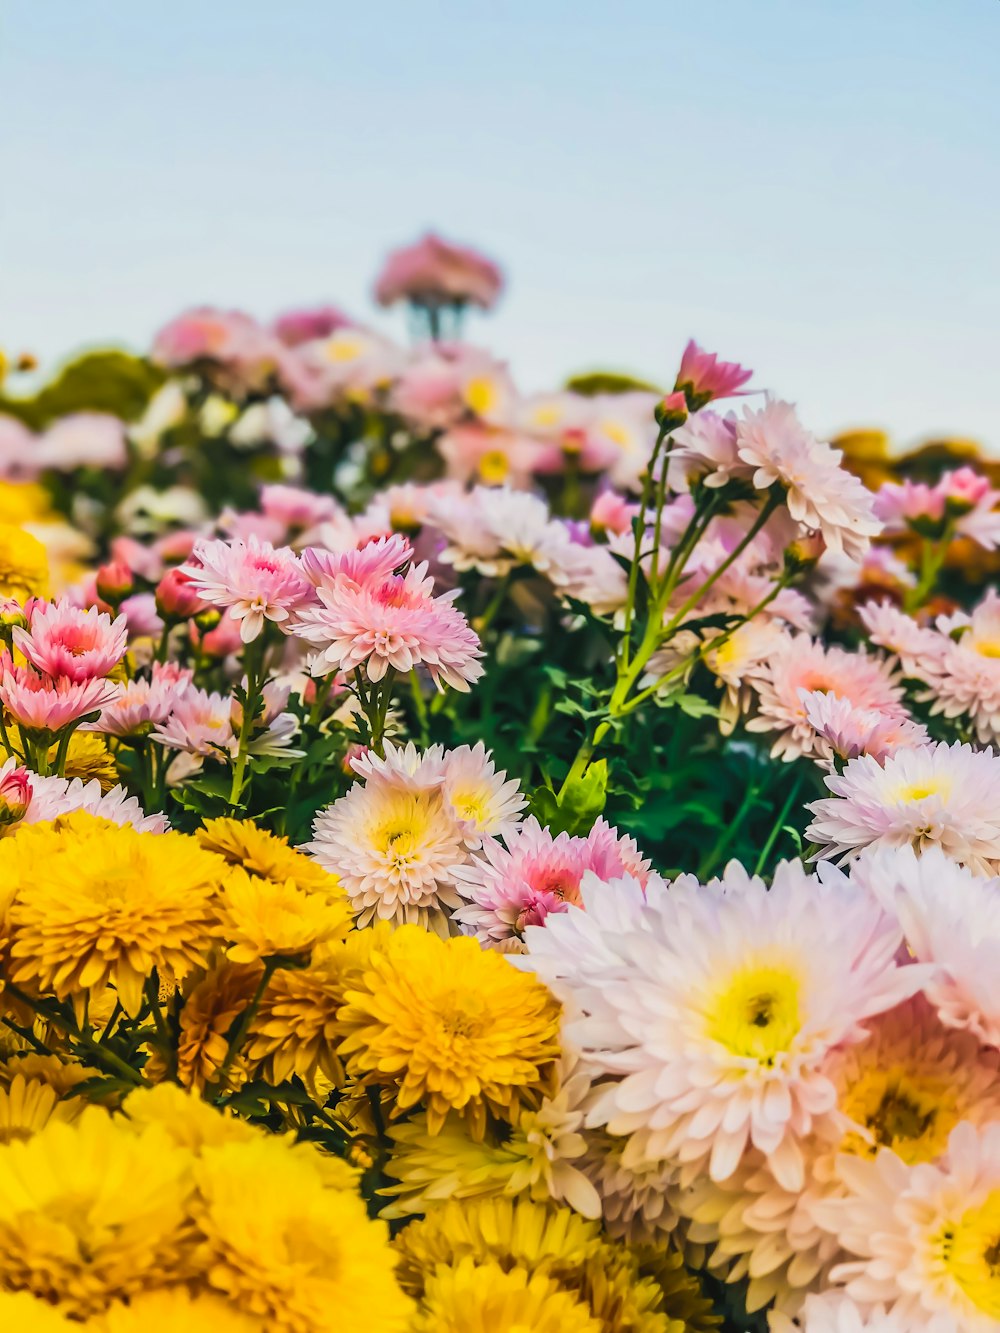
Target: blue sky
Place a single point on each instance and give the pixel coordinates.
(811, 188)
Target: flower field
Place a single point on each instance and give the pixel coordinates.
(479, 862)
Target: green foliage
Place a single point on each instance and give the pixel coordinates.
(105, 381)
(609, 381)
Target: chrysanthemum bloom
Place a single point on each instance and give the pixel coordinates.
(451, 1026)
(304, 325)
(482, 1298)
(509, 888)
(92, 1211)
(41, 704)
(175, 1308)
(637, 1201)
(395, 848)
(963, 498)
(477, 452)
(932, 795)
(144, 704)
(485, 802)
(53, 797)
(702, 376)
(351, 367)
(26, 1106)
(282, 1245)
(199, 723)
(820, 493)
(24, 565)
(494, 531)
(951, 920)
(252, 581)
(191, 1122)
(265, 854)
(65, 641)
(106, 906)
(446, 382)
(801, 664)
(390, 621)
(16, 790)
(714, 1009)
(834, 1312)
(210, 1009)
(83, 439)
(225, 340)
(704, 449)
(845, 731)
(961, 666)
(296, 1030)
(264, 919)
(433, 272)
(21, 1310)
(925, 1236)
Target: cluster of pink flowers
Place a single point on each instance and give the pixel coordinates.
(962, 499)
(434, 272)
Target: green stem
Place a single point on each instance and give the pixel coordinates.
(778, 825)
(482, 623)
(239, 1034)
(254, 664)
(27, 1035)
(932, 556)
(420, 707)
(714, 856)
(100, 1054)
(152, 990)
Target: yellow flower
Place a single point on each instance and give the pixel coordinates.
(26, 1106)
(266, 855)
(210, 1009)
(484, 1298)
(61, 1075)
(175, 1310)
(296, 1029)
(263, 918)
(189, 1121)
(23, 502)
(88, 757)
(21, 1311)
(281, 1244)
(451, 1025)
(24, 566)
(108, 908)
(92, 1211)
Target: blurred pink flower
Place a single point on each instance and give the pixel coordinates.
(302, 326)
(447, 381)
(496, 457)
(39, 703)
(898, 504)
(18, 449)
(63, 640)
(434, 272)
(296, 507)
(82, 439)
(224, 339)
(702, 376)
(144, 704)
(611, 512)
(252, 581)
(177, 597)
(352, 366)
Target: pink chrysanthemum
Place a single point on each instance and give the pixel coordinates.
(200, 723)
(931, 795)
(16, 788)
(834, 1312)
(919, 649)
(802, 664)
(144, 704)
(702, 376)
(370, 563)
(821, 494)
(845, 731)
(521, 884)
(963, 674)
(63, 640)
(39, 703)
(251, 580)
(376, 620)
(705, 448)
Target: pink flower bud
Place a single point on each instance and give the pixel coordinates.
(114, 581)
(176, 598)
(15, 795)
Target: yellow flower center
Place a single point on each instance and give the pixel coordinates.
(910, 1112)
(471, 805)
(493, 466)
(547, 414)
(919, 791)
(344, 349)
(970, 1249)
(480, 395)
(757, 1015)
(616, 433)
(987, 647)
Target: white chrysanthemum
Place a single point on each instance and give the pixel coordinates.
(820, 493)
(801, 664)
(485, 802)
(943, 795)
(951, 920)
(716, 1008)
(833, 1312)
(395, 847)
(916, 646)
(51, 797)
(495, 529)
(966, 682)
(637, 1202)
(926, 1237)
(905, 1088)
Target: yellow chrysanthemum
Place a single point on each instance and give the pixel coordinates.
(296, 1029)
(23, 502)
(24, 566)
(281, 1244)
(484, 1298)
(108, 909)
(23, 1313)
(88, 757)
(92, 1211)
(453, 1026)
(263, 918)
(26, 1106)
(176, 1310)
(210, 1009)
(266, 855)
(60, 1075)
(189, 1121)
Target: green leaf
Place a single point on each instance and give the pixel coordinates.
(581, 802)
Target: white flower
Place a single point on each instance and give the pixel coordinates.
(833, 1312)
(845, 731)
(52, 797)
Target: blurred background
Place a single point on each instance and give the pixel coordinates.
(812, 189)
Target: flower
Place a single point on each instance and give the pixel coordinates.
(713, 1009)
(951, 920)
(846, 731)
(296, 1030)
(799, 666)
(199, 723)
(484, 801)
(395, 847)
(39, 703)
(944, 795)
(88, 759)
(144, 704)
(282, 1245)
(266, 855)
(264, 919)
(482, 1298)
(15, 792)
(91, 1211)
(213, 1004)
(637, 1201)
(26, 1106)
(21, 1310)
(171, 1309)
(302, 326)
(704, 448)
(83, 439)
(433, 272)
(24, 566)
(960, 663)
(104, 905)
(702, 376)
(925, 1236)
(820, 494)
(511, 887)
(65, 641)
(451, 1026)
(230, 345)
(251, 580)
(53, 797)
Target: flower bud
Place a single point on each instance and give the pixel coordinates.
(15, 795)
(114, 581)
(672, 411)
(176, 598)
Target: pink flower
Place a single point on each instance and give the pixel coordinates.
(705, 447)
(480, 453)
(53, 796)
(39, 703)
(510, 888)
(200, 724)
(302, 326)
(448, 381)
(144, 704)
(15, 792)
(18, 449)
(221, 340)
(367, 616)
(177, 597)
(352, 366)
(295, 507)
(252, 580)
(964, 488)
(434, 272)
(83, 439)
(611, 512)
(63, 640)
(846, 731)
(910, 504)
(703, 376)
(115, 580)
